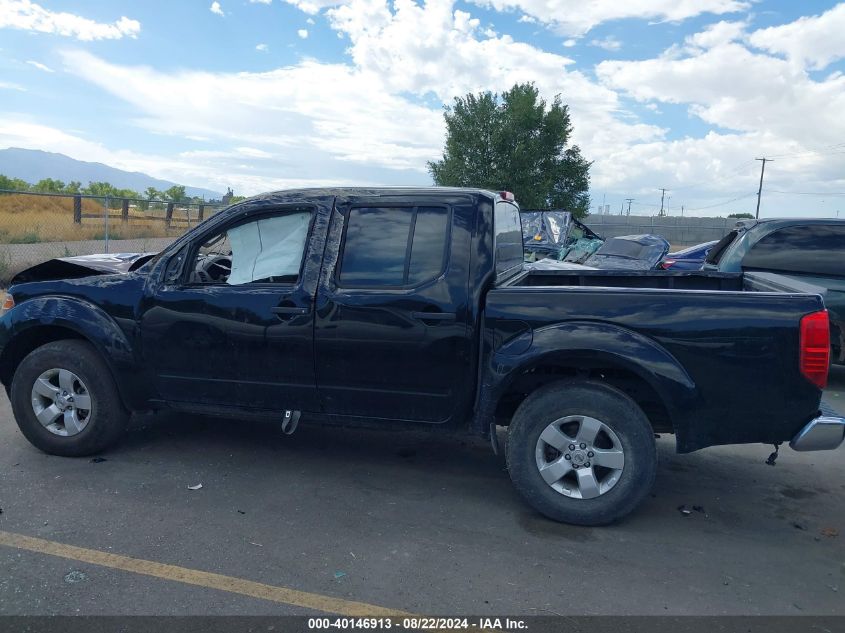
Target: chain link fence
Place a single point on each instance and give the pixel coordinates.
(35, 227)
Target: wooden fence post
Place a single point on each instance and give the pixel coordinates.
(168, 215)
(77, 209)
(124, 211)
(201, 213)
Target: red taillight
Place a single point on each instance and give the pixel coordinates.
(666, 264)
(814, 342)
(507, 195)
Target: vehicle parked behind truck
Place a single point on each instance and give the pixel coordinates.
(414, 308)
(811, 250)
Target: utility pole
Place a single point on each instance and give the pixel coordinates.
(622, 209)
(682, 210)
(662, 195)
(629, 201)
(760, 190)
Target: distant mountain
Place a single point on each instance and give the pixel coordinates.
(33, 165)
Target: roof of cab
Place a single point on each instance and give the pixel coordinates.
(316, 192)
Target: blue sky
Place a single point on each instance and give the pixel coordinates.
(267, 94)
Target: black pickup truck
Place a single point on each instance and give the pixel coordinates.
(413, 307)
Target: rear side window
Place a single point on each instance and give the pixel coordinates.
(816, 249)
(393, 246)
(507, 229)
(715, 254)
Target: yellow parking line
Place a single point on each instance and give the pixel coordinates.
(240, 586)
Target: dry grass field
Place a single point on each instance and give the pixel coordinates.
(33, 219)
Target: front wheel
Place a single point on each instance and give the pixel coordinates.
(581, 452)
(65, 400)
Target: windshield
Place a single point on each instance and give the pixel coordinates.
(624, 248)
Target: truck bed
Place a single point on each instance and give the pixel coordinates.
(664, 280)
(728, 337)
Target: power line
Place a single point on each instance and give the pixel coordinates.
(719, 204)
(821, 150)
(808, 193)
(730, 172)
(662, 195)
(629, 201)
(760, 190)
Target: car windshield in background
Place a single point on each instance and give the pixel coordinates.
(624, 248)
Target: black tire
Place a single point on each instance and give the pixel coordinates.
(107, 418)
(620, 414)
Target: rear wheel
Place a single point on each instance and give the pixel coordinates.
(581, 452)
(65, 400)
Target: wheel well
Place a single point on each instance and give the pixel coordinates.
(28, 340)
(631, 384)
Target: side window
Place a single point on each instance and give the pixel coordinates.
(814, 249)
(508, 237)
(268, 249)
(714, 255)
(393, 246)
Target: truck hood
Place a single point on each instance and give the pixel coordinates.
(83, 266)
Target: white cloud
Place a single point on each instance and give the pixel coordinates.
(733, 88)
(570, 43)
(577, 17)
(436, 49)
(213, 169)
(302, 33)
(812, 41)
(408, 58)
(406, 50)
(28, 16)
(608, 43)
(312, 7)
(310, 21)
(216, 9)
(284, 108)
(716, 34)
(253, 152)
(260, 1)
(758, 105)
(40, 66)
(8, 85)
(262, 47)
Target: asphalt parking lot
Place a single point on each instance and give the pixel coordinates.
(327, 519)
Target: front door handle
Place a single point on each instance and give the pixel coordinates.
(434, 316)
(289, 311)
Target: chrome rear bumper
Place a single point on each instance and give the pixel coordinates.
(823, 433)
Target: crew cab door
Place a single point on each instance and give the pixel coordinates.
(391, 325)
(231, 322)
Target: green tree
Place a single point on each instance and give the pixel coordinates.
(74, 186)
(151, 193)
(176, 193)
(14, 184)
(741, 216)
(48, 185)
(100, 189)
(514, 142)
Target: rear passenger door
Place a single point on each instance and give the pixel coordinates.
(391, 335)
